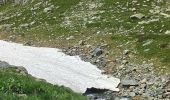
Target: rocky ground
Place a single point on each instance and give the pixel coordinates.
(138, 81)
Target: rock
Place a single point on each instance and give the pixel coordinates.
(167, 32)
(160, 96)
(143, 81)
(121, 66)
(32, 23)
(48, 9)
(102, 62)
(143, 86)
(1, 14)
(168, 10)
(149, 21)
(125, 52)
(132, 94)
(129, 83)
(24, 25)
(146, 94)
(116, 98)
(22, 95)
(81, 42)
(70, 38)
(133, 9)
(28, 43)
(165, 15)
(137, 16)
(125, 98)
(97, 52)
(21, 70)
(148, 42)
(22, 2)
(4, 64)
(125, 62)
(168, 87)
(146, 50)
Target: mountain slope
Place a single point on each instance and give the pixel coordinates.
(106, 20)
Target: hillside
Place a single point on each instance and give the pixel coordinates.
(146, 33)
(16, 84)
(129, 39)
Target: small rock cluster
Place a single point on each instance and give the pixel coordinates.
(18, 69)
(141, 80)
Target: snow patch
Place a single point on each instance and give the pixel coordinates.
(56, 67)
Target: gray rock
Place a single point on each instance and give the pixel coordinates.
(168, 87)
(70, 38)
(148, 42)
(81, 42)
(4, 64)
(48, 9)
(28, 43)
(22, 2)
(124, 62)
(167, 32)
(125, 98)
(129, 83)
(132, 94)
(116, 98)
(97, 52)
(24, 25)
(137, 16)
(21, 70)
(143, 81)
(146, 94)
(125, 52)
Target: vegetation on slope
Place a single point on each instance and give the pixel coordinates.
(102, 21)
(18, 86)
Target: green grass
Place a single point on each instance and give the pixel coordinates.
(160, 46)
(16, 86)
(113, 16)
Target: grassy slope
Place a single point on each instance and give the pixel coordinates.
(108, 22)
(16, 86)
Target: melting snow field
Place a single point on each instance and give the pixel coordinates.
(56, 67)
